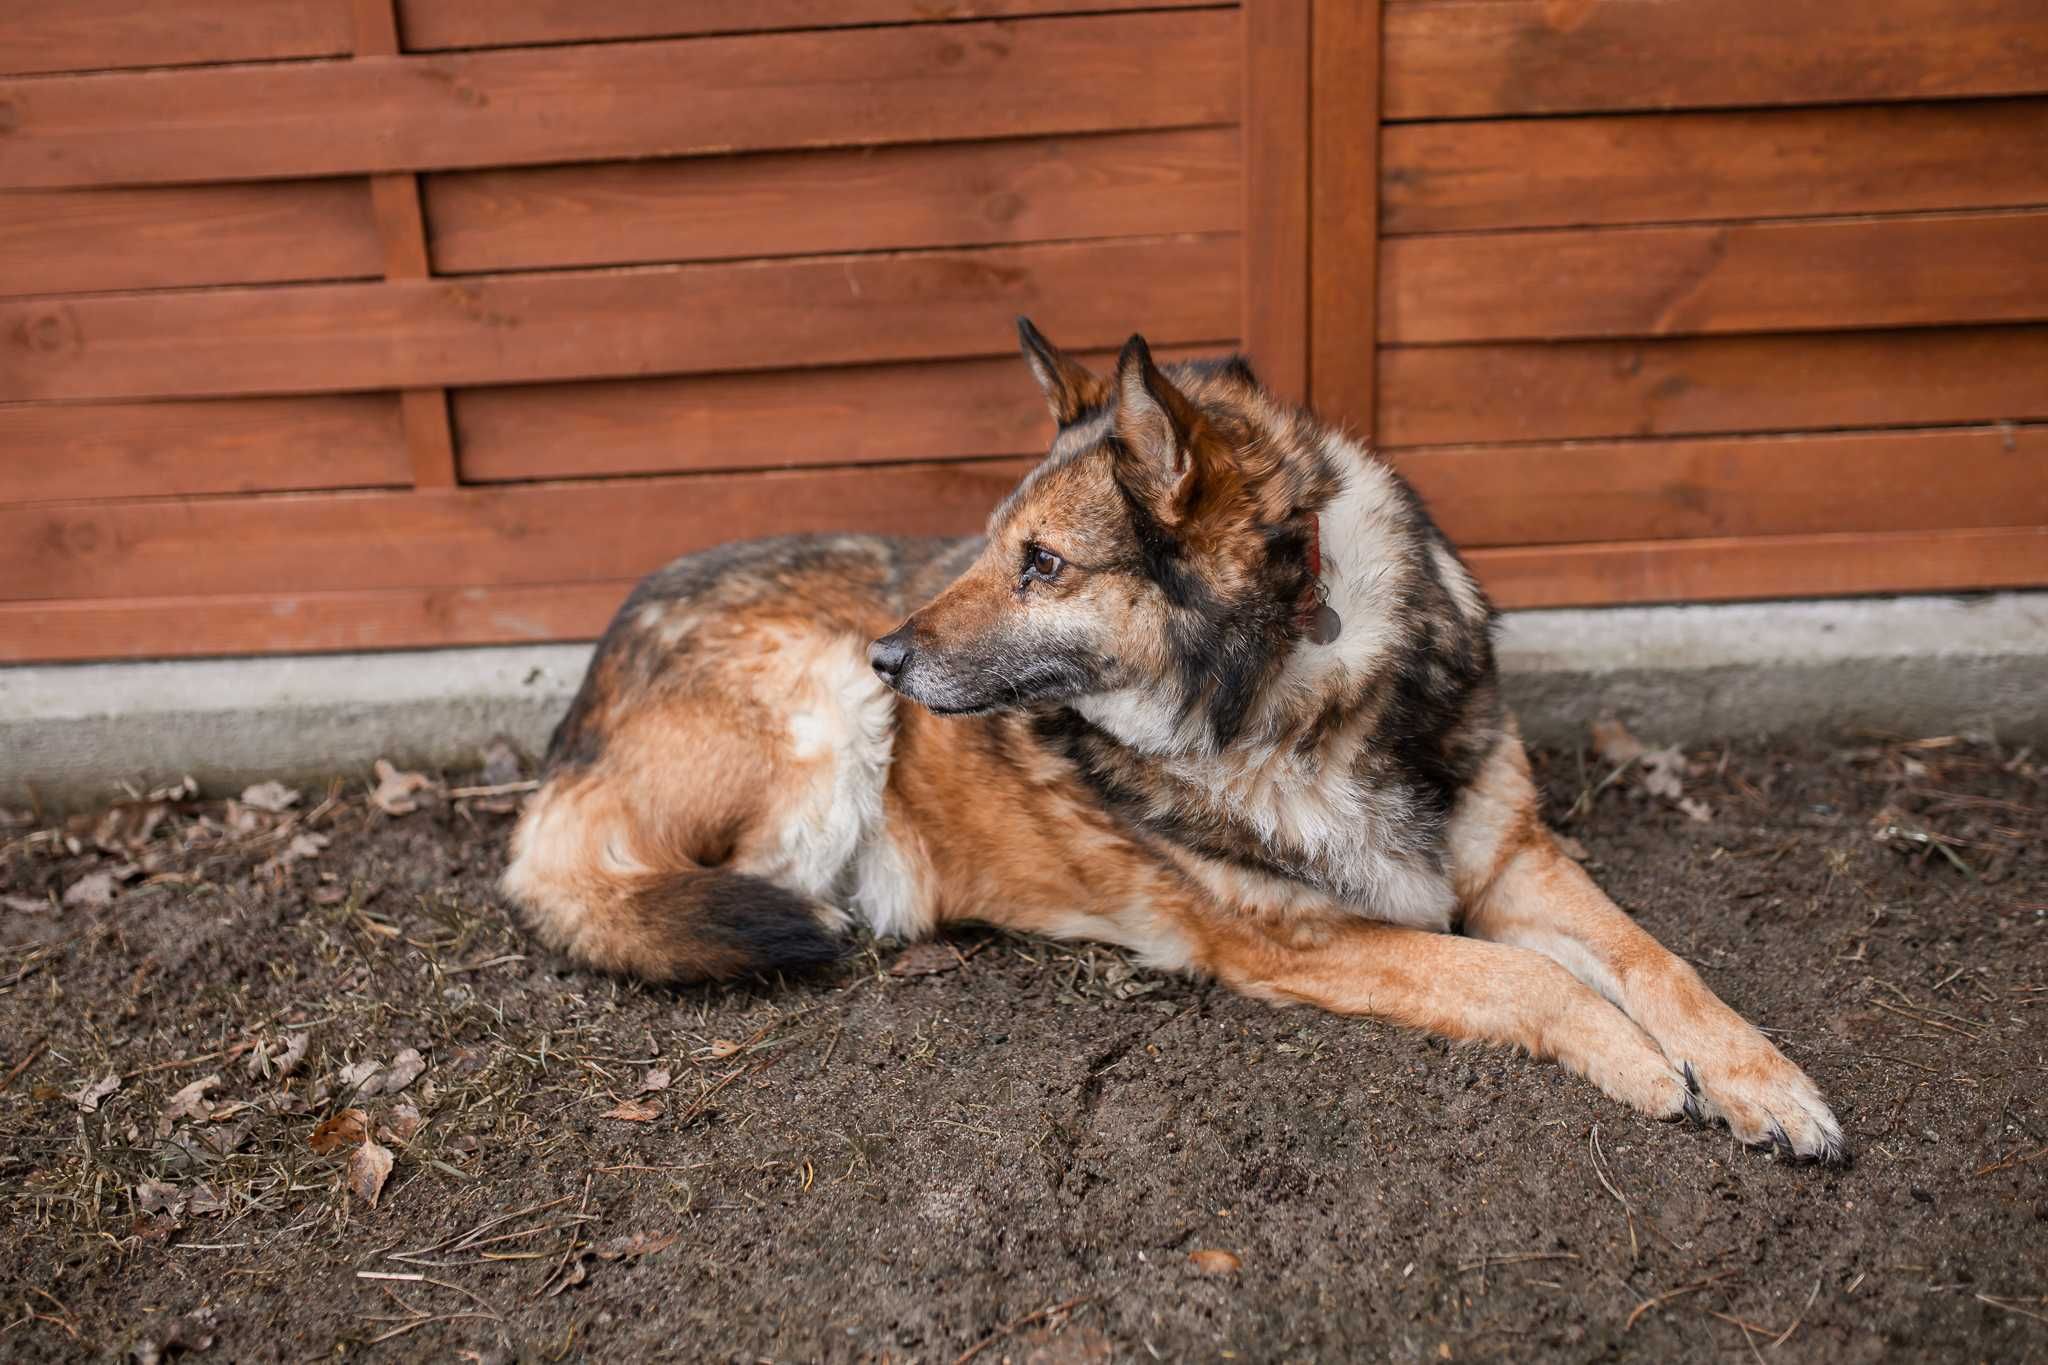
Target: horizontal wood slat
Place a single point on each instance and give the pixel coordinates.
(1539, 576)
(1763, 566)
(1523, 391)
(504, 329)
(797, 203)
(433, 24)
(867, 414)
(525, 533)
(59, 241)
(1774, 163)
(1747, 486)
(85, 35)
(1748, 277)
(228, 446)
(1483, 58)
(948, 82)
(286, 623)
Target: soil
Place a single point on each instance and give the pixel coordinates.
(1002, 1148)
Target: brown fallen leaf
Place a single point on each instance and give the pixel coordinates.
(1696, 810)
(395, 789)
(191, 1102)
(1613, 742)
(1214, 1261)
(721, 1047)
(154, 1196)
(634, 1244)
(88, 1096)
(400, 1124)
(28, 905)
(274, 797)
(1664, 773)
(302, 847)
(368, 1168)
(925, 959)
(96, 888)
(405, 1068)
(656, 1079)
(633, 1111)
(348, 1127)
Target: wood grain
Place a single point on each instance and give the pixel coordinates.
(1912, 480)
(848, 87)
(1755, 163)
(1521, 391)
(1276, 193)
(1343, 232)
(515, 533)
(503, 329)
(870, 199)
(1486, 58)
(250, 445)
(1747, 277)
(86, 35)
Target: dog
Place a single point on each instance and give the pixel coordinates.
(1212, 687)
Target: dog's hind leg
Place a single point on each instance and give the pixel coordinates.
(1519, 888)
(1455, 987)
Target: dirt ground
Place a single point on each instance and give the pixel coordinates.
(1003, 1149)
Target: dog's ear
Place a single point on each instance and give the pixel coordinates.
(1160, 434)
(1071, 388)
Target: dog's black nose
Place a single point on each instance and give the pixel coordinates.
(889, 654)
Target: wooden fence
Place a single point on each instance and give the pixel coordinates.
(353, 325)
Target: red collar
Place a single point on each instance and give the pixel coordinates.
(1317, 618)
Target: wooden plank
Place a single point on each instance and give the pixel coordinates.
(846, 87)
(247, 445)
(1521, 391)
(1929, 479)
(436, 24)
(1743, 277)
(507, 329)
(1344, 185)
(799, 203)
(1763, 566)
(869, 414)
(86, 35)
(1485, 58)
(1770, 163)
(515, 533)
(65, 241)
(291, 623)
(1275, 274)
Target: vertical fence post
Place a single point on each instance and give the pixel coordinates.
(1344, 211)
(1276, 193)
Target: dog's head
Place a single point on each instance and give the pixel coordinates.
(1153, 568)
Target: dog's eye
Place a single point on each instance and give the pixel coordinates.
(1043, 563)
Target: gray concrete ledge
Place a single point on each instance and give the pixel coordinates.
(73, 734)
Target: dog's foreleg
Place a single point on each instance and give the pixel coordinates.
(1519, 888)
(1455, 987)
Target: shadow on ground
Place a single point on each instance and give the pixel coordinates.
(1002, 1149)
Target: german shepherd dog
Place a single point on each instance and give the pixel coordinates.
(1212, 686)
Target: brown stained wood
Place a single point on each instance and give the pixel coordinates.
(1276, 193)
(431, 24)
(66, 241)
(288, 623)
(1764, 566)
(1485, 58)
(862, 415)
(429, 437)
(507, 329)
(1344, 186)
(872, 199)
(85, 35)
(1751, 277)
(401, 227)
(247, 445)
(521, 533)
(1912, 480)
(1520, 391)
(845, 87)
(1773, 163)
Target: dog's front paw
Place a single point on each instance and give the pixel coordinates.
(1768, 1102)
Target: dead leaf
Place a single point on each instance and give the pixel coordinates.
(1212, 1261)
(349, 1126)
(281, 1063)
(1696, 810)
(302, 847)
(925, 959)
(405, 1068)
(28, 905)
(395, 789)
(368, 1168)
(191, 1102)
(401, 1123)
(634, 1111)
(656, 1079)
(205, 1199)
(154, 1196)
(574, 1275)
(1613, 742)
(95, 888)
(634, 1244)
(88, 1096)
(274, 797)
(1664, 773)
(721, 1047)
(357, 1076)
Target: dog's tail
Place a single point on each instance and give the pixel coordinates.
(581, 886)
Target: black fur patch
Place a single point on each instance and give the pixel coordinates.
(768, 927)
